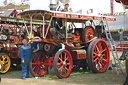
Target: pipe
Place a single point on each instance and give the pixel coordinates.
(112, 7)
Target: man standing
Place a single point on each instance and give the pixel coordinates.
(121, 31)
(25, 54)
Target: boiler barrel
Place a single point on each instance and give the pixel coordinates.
(6, 47)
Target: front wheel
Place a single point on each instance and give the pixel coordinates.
(38, 64)
(62, 64)
(98, 56)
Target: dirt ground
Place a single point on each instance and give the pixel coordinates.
(13, 77)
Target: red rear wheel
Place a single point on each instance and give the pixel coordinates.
(38, 63)
(88, 34)
(62, 64)
(98, 56)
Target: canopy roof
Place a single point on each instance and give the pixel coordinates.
(37, 15)
(18, 20)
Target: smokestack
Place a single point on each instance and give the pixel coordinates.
(53, 5)
(112, 7)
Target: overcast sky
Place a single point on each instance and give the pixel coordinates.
(99, 6)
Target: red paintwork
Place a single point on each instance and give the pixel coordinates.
(16, 40)
(51, 41)
(39, 63)
(8, 46)
(82, 17)
(89, 33)
(50, 62)
(64, 62)
(81, 56)
(101, 48)
(75, 38)
(76, 56)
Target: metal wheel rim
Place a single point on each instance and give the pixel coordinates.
(89, 34)
(64, 64)
(5, 63)
(39, 61)
(101, 56)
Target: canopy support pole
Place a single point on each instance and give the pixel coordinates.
(31, 28)
(43, 27)
(48, 27)
(65, 22)
(26, 28)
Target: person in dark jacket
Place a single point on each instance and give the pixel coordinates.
(25, 54)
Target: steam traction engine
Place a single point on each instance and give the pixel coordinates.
(64, 46)
(11, 35)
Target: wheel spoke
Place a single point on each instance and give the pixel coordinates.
(65, 56)
(58, 64)
(100, 46)
(96, 59)
(34, 59)
(65, 70)
(34, 67)
(34, 63)
(6, 62)
(67, 63)
(104, 60)
(60, 59)
(60, 71)
(37, 70)
(104, 50)
(39, 57)
(103, 55)
(95, 53)
(60, 68)
(97, 49)
(4, 58)
(5, 66)
(66, 59)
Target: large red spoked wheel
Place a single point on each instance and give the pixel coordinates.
(88, 34)
(126, 66)
(98, 56)
(38, 64)
(62, 64)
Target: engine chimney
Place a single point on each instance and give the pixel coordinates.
(112, 7)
